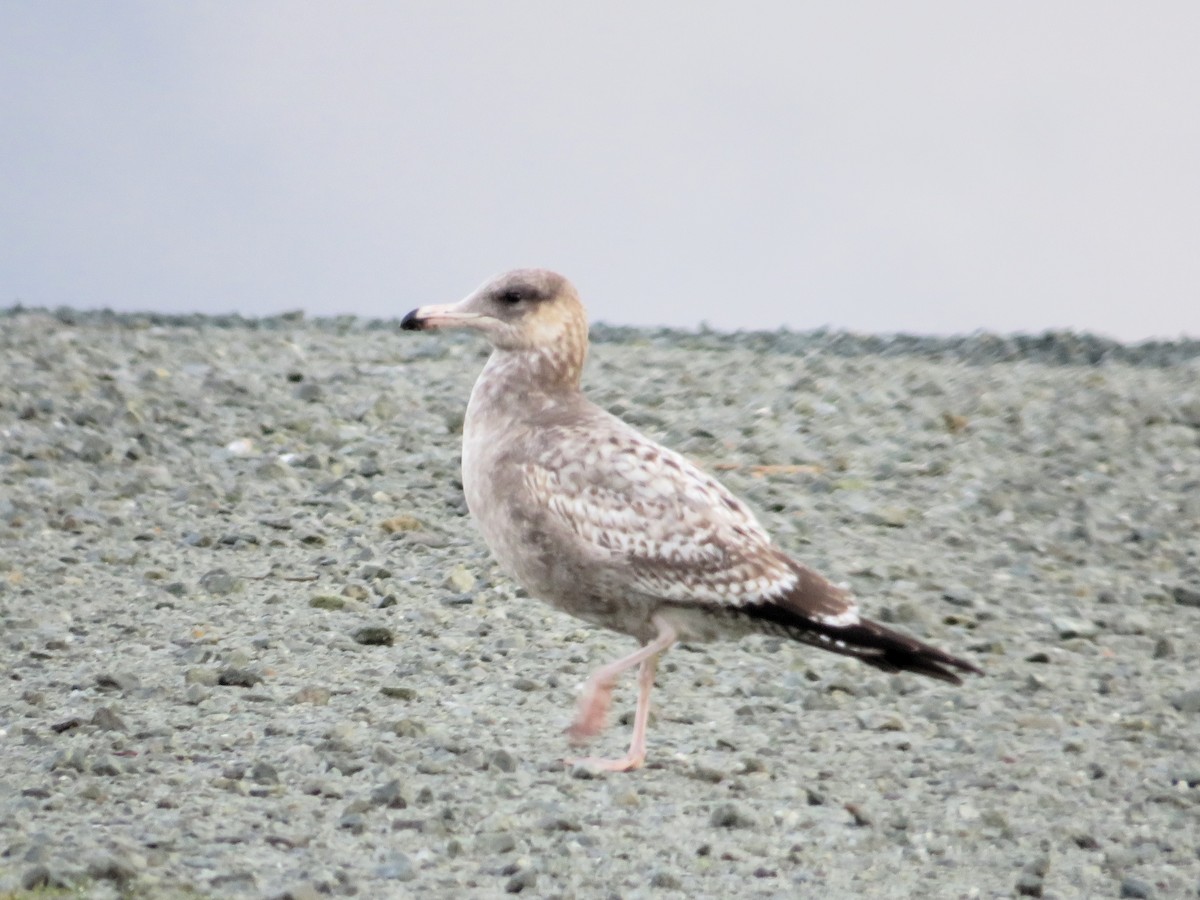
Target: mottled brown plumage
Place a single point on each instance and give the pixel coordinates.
(602, 522)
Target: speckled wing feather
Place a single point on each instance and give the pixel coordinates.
(672, 531)
(668, 531)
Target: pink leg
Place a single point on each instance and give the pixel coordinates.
(592, 712)
(593, 704)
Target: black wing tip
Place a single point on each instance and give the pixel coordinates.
(872, 643)
(901, 653)
(939, 667)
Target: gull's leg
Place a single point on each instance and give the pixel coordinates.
(592, 712)
(593, 705)
(637, 747)
(597, 692)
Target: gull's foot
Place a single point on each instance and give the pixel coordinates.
(624, 764)
(592, 716)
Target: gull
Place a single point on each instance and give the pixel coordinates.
(600, 521)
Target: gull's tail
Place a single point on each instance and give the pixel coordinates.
(820, 613)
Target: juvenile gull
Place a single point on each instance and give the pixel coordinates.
(603, 523)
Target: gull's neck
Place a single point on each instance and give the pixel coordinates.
(551, 370)
(516, 383)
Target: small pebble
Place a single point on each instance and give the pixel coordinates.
(1187, 594)
(1187, 701)
(235, 677)
(375, 636)
(219, 582)
(1137, 888)
(665, 880)
(460, 580)
(1068, 628)
(731, 815)
(391, 795)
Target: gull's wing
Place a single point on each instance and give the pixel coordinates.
(671, 531)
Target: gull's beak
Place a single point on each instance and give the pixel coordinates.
(444, 316)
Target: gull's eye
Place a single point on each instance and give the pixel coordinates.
(512, 296)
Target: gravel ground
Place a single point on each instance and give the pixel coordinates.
(252, 646)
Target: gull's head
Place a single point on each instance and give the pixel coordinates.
(526, 309)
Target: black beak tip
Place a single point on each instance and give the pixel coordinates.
(411, 323)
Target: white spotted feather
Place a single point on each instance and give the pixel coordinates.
(677, 533)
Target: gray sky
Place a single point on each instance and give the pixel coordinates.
(879, 166)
